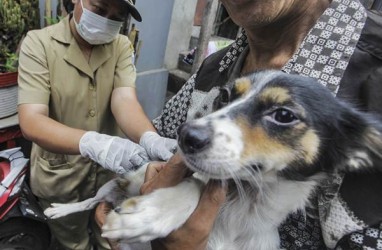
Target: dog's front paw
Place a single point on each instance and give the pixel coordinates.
(57, 210)
(155, 215)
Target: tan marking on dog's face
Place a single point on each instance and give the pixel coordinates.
(259, 146)
(310, 143)
(242, 85)
(275, 95)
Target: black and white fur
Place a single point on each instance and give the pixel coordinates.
(273, 146)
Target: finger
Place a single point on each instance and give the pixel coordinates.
(101, 211)
(120, 170)
(172, 173)
(171, 145)
(153, 169)
(139, 159)
(210, 202)
(166, 155)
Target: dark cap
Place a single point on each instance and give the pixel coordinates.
(133, 11)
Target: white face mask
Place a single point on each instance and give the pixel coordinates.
(96, 29)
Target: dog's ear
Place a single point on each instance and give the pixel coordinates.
(368, 155)
(241, 87)
(231, 92)
(373, 141)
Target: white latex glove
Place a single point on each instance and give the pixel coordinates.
(112, 152)
(157, 147)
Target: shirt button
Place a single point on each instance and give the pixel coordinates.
(92, 112)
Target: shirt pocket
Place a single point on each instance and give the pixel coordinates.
(54, 179)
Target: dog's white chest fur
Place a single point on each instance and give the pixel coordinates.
(252, 223)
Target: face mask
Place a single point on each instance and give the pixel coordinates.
(96, 29)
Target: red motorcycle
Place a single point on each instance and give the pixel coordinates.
(22, 222)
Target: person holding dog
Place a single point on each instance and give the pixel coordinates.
(329, 40)
(76, 101)
(193, 235)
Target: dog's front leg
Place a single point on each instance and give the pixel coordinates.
(155, 215)
(135, 179)
(113, 191)
(58, 210)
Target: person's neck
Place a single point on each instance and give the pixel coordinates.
(272, 46)
(85, 47)
(80, 41)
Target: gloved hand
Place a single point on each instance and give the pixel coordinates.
(157, 147)
(112, 152)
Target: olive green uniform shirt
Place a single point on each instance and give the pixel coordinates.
(53, 71)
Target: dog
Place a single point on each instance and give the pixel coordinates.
(274, 146)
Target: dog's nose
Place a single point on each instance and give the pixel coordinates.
(194, 138)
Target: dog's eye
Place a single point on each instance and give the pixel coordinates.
(283, 116)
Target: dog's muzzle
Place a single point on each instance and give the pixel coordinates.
(194, 138)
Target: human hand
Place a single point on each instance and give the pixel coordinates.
(112, 152)
(100, 214)
(104, 208)
(158, 147)
(193, 235)
(164, 175)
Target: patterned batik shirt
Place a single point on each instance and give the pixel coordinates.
(324, 55)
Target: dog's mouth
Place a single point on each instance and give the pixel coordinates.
(207, 166)
(220, 166)
(197, 168)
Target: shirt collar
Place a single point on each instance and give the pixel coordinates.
(62, 32)
(325, 52)
(101, 53)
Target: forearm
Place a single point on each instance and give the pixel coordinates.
(129, 114)
(48, 133)
(136, 122)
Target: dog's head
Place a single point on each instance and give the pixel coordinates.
(283, 124)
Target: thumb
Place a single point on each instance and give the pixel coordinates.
(171, 144)
(166, 155)
(138, 160)
(170, 175)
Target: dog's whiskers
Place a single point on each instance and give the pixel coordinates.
(253, 175)
(240, 188)
(261, 192)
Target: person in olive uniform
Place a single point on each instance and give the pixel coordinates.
(76, 100)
